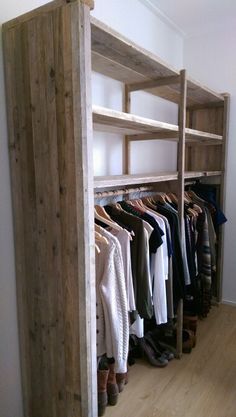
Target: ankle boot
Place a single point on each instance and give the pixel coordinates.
(121, 380)
(102, 377)
(112, 387)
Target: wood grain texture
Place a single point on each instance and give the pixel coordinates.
(222, 194)
(126, 143)
(117, 57)
(123, 180)
(113, 121)
(39, 11)
(154, 83)
(181, 168)
(47, 61)
(208, 120)
(200, 384)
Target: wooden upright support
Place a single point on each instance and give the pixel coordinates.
(127, 105)
(222, 194)
(181, 169)
(47, 62)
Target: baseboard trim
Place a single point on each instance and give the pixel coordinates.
(230, 303)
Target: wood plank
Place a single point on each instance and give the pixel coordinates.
(48, 7)
(13, 77)
(199, 174)
(145, 85)
(180, 168)
(209, 120)
(222, 195)
(85, 247)
(119, 122)
(131, 179)
(50, 124)
(113, 121)
(119, 58)
(127, 145)
(123, 180)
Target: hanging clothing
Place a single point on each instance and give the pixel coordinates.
(112, 307)
(140, 267)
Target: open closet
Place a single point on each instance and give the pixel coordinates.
(49, 54)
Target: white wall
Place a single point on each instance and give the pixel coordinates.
(211, 58)
(139, 24)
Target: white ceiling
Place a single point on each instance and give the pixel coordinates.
(192, 17)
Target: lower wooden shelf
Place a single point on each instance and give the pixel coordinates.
(138, 179)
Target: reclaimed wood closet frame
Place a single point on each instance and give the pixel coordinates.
(47, 56)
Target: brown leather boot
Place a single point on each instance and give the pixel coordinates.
(102, 377)
(122, 380)
(112, 387)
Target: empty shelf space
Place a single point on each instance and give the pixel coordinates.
(121, 59)
(126, 180)
(141, 128)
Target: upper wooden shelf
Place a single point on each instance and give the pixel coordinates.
(117, 57)
(139, 179)
(113, 121)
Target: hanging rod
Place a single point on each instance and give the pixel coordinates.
(123, 191)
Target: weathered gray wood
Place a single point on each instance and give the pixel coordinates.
(222, 195)
(119, 58)
(39, 11)
(113, 121)
(153, 83)
(48, 69)
(122, 180)
(127, 145)
(181, 168)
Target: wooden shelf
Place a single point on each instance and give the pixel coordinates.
(113, 121)
(138, 179)
(117, 57)
(125, 180)
(200, 174)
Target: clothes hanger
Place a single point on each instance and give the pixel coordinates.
(149, 202)
(102, 212)
(99, 236)
(106, 221)
(97, 248)
(173, 198)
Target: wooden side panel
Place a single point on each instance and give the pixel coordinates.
(204, 158)
(50, 137)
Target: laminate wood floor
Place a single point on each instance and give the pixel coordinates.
(201, 384)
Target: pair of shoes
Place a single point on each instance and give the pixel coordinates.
(190, 323)
(106, 385)
(153, 356)
(189, 340)
(164, 353)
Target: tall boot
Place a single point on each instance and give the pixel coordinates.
(112, 387)
(122, 380)
(102, 377)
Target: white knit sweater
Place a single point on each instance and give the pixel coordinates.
(112, 324)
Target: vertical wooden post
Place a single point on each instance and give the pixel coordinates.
(181, 169)
(48, 71)
(222, 195)
(126, 153)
